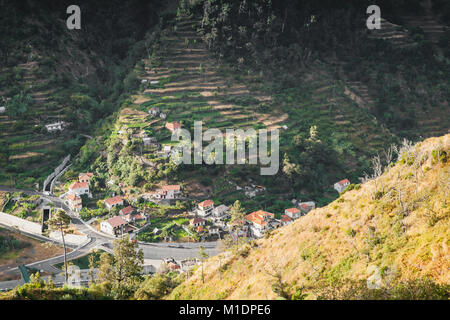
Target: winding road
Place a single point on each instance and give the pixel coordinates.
(97, 239)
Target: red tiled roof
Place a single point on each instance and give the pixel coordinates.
(175, 187)
(116, 221)
(114, 200)
(73, 197)
(127, 210)
(292, 210)
(285, 218)
(85, 175)
(199, 229)
(206, 203)
(172, 126)
(342, 182)
(196, 220)
(258, 217)
(79, 185)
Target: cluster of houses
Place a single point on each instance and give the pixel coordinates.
(254, 224)
(123, 223)
(77, 189)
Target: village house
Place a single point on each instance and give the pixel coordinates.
(85, 177)
(220, 211)
(114, 226)
(168, 192)
(79, 188)
(129, 214)
(172, 126)
(153, 111)
(57, 126)
(197, 222)
(113, 202)
(260, 222)
(293, 213)
(341, 185)
(306, 207)
(162, 115)
(74, 202)
(205, 208)
(285, 220)
(2, 109)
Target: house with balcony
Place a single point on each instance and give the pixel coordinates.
(205, 208)
(168, 192)
(115, 226)
(259, 222)
(80, 188)
(74, 202)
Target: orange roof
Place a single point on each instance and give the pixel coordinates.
(292, 210)
(127, 210)
(116, 221)
(199, 229)
(79, 185)
(85, 175)
(196, 220)
(114, 200)
(175, 187)
(258, 217)
(172, 126)
(342, 182)
(206, 203)
(73, 197)
(285, 218)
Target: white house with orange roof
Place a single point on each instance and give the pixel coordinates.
(205, 208)
(293, 213)
(168, 192)
(114, 226)
(85, 177)
(79, 188)
(74, 202)
(172, 126)
(285, 220)
(260, 222)
(341, 185)
(113, 202)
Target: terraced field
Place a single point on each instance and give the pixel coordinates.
(30, 146)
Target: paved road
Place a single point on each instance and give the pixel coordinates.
(154, 251)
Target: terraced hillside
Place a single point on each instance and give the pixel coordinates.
(188, 84)
(384, 237)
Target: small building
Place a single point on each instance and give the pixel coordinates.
(341, 185)
(154, 111)
(259, 222)
(285, 220)
(306, 207)
(114, 226)
(162, 115)
(2, 109)
(113, 202)
(173, 126)
(57, 126)
(220, 211)
(144, 81)
(126, 210)
(85, 177)
(292, 213)
(79, 188)
(205, 208)
(74, 202)
(168, 192)
(197, 222)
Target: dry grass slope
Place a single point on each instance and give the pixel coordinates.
(363, 231)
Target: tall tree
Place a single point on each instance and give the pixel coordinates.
(61, 221)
